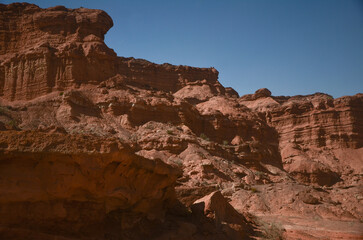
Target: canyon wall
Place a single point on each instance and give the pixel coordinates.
(45, 50)
(318, 135)
(73, 185)
(96, 146)
(318, 120)
(57, 48)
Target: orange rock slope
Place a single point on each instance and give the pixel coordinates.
(95, 146)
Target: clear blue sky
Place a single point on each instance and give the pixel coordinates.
(289, 46)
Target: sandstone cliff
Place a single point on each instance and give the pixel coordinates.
(56, 183)
(320, 138)
(45, 50)
(96, 146)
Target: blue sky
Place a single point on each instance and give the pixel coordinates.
(289, 46)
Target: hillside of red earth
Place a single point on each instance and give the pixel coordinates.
(96, 146)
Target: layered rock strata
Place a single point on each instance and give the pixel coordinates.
(95, 146)
(45, 50)
(320, 138)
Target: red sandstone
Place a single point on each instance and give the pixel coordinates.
(96, 146)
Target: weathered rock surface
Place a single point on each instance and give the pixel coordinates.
(76, 184)
(320, 142)
(95, 146)
(320, 138)
(216, 207)
(54, 49)
(57, 48)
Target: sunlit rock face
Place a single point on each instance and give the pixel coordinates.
(96, 146)
(45, 50)
(52, 49)
(318, 136)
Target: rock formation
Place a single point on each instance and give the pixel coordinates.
(77, 183)
(320, 138)
(216, 207)
(96, 146)
(54, 49)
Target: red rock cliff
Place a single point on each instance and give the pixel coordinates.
(319, 137)
(43, 50)
(57, 48)
(94, 146)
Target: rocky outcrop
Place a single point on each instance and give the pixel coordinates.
(166, 77)
(52, 49)
(95, 146)
(260, 93)
(45, 50)
(317, 120)
(216, 207)
(313, 132)
(74, 185)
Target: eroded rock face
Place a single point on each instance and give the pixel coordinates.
(125, 152)
(216, 207)
(45, 50)
(320, 142)
(314, 133)
(52, 49)
(74, 184)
